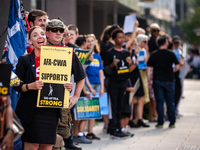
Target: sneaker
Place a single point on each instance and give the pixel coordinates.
(116, 134)
(129, 134)
(171, 126)
(142, 124)
(132, 124)
(92, 136)
(81, 139)
(145, 121)
(178, 115)
(105, 129)
(159, 126)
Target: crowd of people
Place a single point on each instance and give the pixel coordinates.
(119, 61)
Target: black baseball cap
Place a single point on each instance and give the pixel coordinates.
(176, 38)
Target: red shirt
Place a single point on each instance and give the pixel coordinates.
(37, 66)
(29, 49)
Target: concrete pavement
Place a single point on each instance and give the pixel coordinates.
(186, 135)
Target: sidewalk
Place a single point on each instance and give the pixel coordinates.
(186, 135)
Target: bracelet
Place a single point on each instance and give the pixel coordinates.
(10, 128)
(27, 87)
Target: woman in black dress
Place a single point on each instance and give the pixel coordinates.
(40, 124)
(139, 95)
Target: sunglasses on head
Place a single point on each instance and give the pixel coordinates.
(154, 30)
(55, 30)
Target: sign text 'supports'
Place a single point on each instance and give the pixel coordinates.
(55, 70)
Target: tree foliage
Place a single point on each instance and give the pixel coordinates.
(192, 22)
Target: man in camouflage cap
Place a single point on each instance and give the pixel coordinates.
(54, 32)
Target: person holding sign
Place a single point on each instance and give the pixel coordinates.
(6, 142)
(95, 76)
(6, 113)
(119, 61)
(39, 123)
(55, 32)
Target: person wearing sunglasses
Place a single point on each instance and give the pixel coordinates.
(142, 57)
(152, 43)
(55, 33)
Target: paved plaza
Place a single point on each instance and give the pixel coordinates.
(186, 135)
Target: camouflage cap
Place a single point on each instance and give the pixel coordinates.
(55, 23)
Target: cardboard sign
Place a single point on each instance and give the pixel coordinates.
(136, 87)
(141, 58)
(55, 71)
(5, 74)
(129, 23)
(87, 109)
(103, 100)
(83, 55)
(14, 79)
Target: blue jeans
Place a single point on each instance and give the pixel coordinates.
(164, 91)
(95, 86)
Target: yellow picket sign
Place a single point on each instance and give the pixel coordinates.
(55, 71)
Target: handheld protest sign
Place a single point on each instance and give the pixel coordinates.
(55, 71)
(87, 109)
(5, 78)
(83, 55)
(14, 79)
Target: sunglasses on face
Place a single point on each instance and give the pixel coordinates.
(66, 35)
(156, 30)
(144, 41)
(55, 30)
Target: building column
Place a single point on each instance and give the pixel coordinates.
(66, 10)
(91, 11)
(105, 11)
(115, 19)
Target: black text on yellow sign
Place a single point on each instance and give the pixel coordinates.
(55, 71)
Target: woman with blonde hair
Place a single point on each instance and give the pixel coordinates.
(142, 66)
(95, 77)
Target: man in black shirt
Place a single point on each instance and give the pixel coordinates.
(163, 80)
(55, 38)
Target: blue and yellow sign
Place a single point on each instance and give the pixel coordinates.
(87, 109)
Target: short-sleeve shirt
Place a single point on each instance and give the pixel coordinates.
(105, 46)
(93, 69)
(153, 45)
(161, 61)
(113, 81)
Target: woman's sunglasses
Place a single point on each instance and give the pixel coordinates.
(55, 30)
(156, 30)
